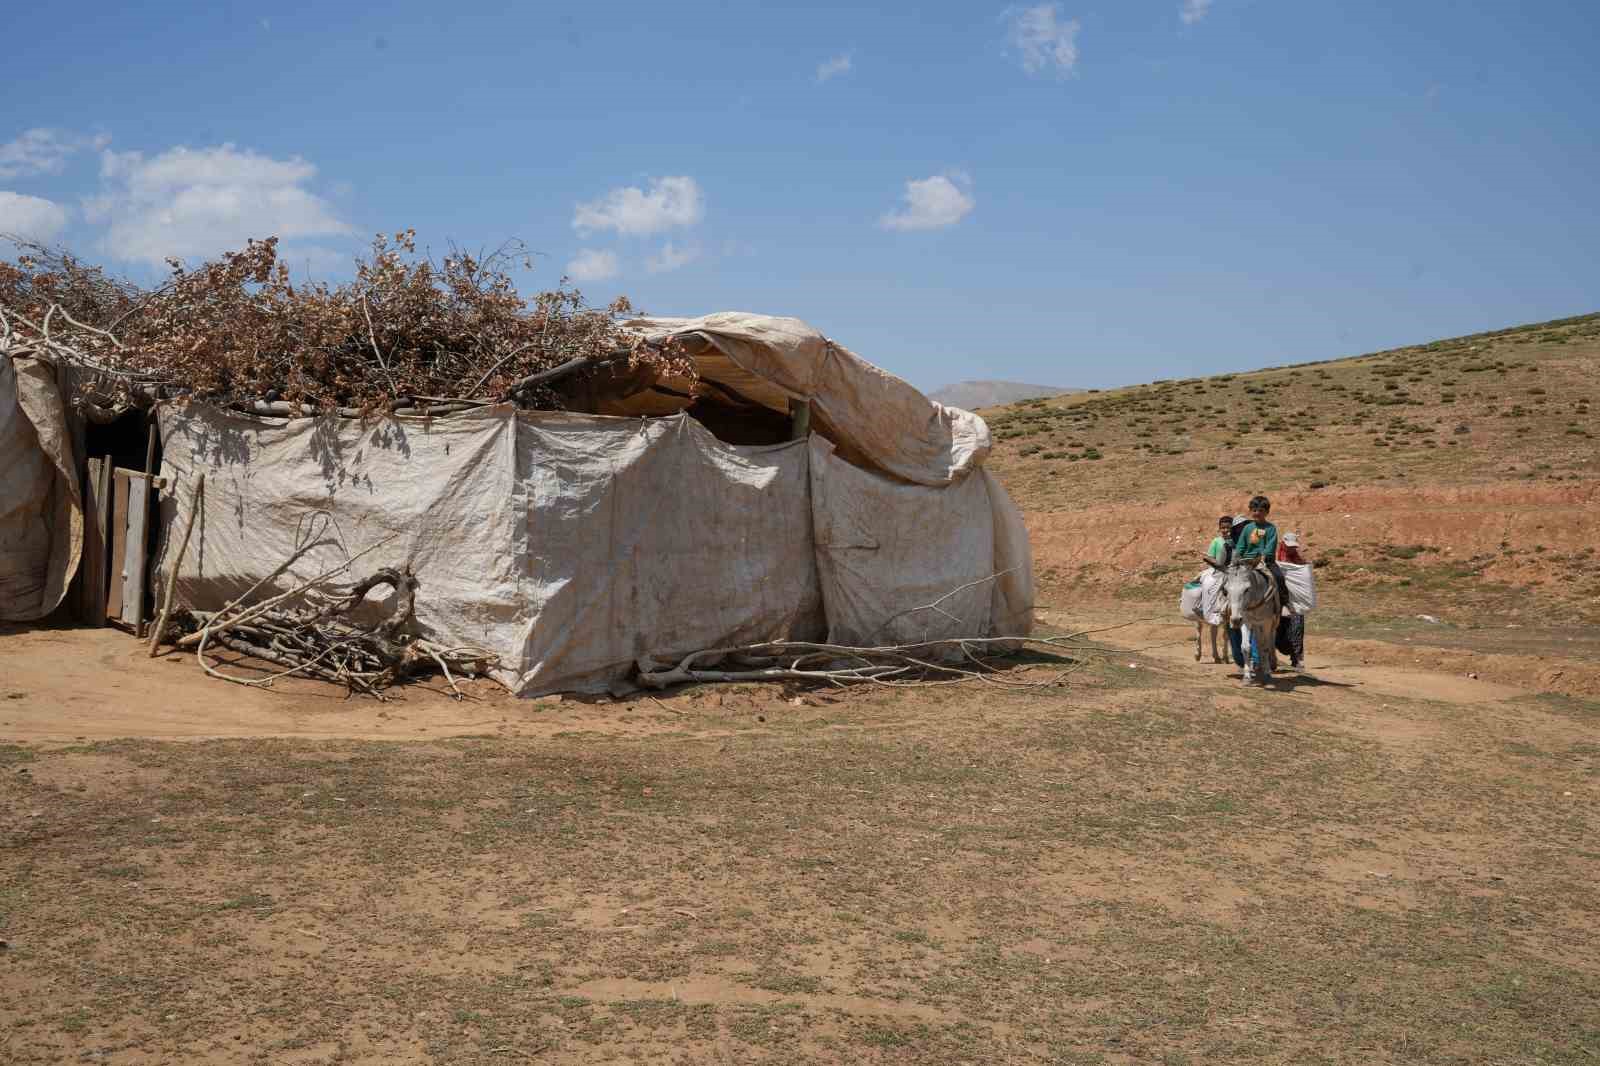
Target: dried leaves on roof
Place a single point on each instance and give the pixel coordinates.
(235, 331)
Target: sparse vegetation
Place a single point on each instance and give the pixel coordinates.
(1410, 415)
(1146, 866)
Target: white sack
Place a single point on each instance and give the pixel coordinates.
(1189, 603)
(1213, 600)
(886, 550)
(1206, 602)
(41, 511)
(1302, 586)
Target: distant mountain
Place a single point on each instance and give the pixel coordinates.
(971, 395)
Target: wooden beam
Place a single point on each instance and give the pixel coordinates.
(177, 561)
(91, 603)
(102, 574)
(140, 475)
(799, 419)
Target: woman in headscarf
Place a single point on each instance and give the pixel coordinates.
(1292, 629)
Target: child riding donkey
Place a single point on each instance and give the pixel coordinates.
(1254, 599)
(1206, 605)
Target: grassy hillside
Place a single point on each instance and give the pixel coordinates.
(972, 395)
(1461, 476)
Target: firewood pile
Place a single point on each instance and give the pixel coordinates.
(311, 629)
(988, 660)
(405, 332)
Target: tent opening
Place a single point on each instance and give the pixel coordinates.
(124, 440)
(753, 424)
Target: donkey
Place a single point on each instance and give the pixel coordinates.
(1253, 601)
(1200, 628)
(1198, 617)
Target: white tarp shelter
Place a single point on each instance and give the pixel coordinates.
(41, 514)
(571, 545)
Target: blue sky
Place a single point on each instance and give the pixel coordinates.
(1064, 193)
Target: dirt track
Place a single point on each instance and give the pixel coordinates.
(1372, 863)
(1381, 860)
(71, 685)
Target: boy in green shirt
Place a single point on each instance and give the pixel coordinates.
(1221, 550)
(1259, 540)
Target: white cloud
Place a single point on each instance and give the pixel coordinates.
(196, 202)
(834, 67)
(671, 257)
(42, 151)
(32, 217)
(932, 203)
(1044, 40)
(670, 202)
(1193, 11)
(592, 264)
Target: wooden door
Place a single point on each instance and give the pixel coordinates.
(128, 553)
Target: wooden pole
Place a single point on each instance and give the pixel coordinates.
(151, 493)
(92, 565)
(799, 419)
(104, 509)
(177, 560)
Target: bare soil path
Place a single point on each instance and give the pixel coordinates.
(1380, 860)
(1372, 863)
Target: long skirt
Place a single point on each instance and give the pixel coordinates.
(1292, 637)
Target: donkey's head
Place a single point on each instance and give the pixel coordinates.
(1241, 586)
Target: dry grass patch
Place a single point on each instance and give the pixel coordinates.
(1145, 868)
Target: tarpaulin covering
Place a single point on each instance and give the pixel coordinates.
(874, 418)
(41, 511)
(892, 557)
(572, 545)
(650, 536)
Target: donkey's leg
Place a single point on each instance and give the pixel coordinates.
(1216, 654)
(1247, 635)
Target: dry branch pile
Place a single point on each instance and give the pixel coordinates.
(952, 661)
(236, 332)
(310, 632)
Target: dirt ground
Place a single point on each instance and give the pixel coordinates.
(1379, 860)
(1389, 858)
(64, 685)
